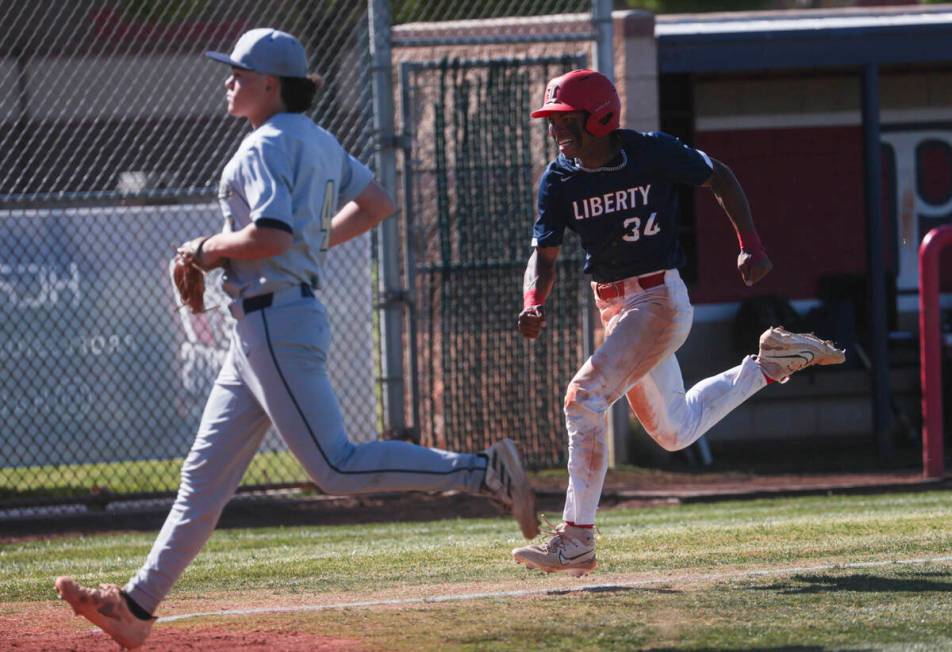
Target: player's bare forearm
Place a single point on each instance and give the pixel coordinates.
(250, 243)
(536, 287)
(350, 222)
(370, 207)
(540, 275)
(730, 195)
(752, 262)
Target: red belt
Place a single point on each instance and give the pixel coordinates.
(606, 291)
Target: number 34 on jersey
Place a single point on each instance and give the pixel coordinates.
(621, 200)
(633, 230)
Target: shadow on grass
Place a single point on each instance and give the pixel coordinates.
(937, 582)
(611, 588)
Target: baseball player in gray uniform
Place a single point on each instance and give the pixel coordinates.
(280, 194)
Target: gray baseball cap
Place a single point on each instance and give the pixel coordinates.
(266, 51)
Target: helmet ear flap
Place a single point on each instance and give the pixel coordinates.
(601, 124)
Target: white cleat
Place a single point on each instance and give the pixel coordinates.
(782, 353)
(506, 481)
(570, 550)
(107, 609)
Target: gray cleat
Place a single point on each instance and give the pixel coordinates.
(507, 482)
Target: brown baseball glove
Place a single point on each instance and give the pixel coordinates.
(188, 275)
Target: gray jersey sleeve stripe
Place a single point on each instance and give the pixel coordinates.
(271, 223)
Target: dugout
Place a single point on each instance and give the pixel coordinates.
(839, 125)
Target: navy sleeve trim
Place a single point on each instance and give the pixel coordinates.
(269, 223)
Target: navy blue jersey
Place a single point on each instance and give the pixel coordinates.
(625, 213)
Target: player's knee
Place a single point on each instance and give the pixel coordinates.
(335, 479)
(580, 400)
(327, 485)
(333, 483)
(667, 438)
(338, 482)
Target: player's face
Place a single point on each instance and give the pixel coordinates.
(568, 131)
(247, 93)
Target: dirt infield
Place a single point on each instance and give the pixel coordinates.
(47, 629)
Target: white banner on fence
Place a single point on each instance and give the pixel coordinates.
(99, 365)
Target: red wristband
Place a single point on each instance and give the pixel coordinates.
(530, 299)
(751, 243)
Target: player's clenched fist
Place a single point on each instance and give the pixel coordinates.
(753, 265)
(531, 321)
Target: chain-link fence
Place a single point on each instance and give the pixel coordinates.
(115, 132)
(477, 376)
(114, 135)
(472, 160)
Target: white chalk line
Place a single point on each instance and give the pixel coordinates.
(463, 597)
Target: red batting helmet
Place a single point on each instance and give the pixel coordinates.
(584, 90)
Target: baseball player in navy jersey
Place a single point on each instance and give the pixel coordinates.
(617, 189)
(280, 194)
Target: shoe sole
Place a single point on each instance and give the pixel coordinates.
(574, 571)
(523, 498)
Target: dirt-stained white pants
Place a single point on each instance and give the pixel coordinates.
(643, 329)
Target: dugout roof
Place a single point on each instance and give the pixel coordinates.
(861, 39)
(784, 40)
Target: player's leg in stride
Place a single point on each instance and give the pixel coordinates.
(782, 353)
(570, 550)
(506, 481)
(109, 609)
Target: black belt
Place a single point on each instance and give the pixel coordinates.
(263, 301)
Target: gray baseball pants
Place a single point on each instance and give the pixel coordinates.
(275, 373)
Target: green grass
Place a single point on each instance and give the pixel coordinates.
(146, 476)
(833, 610)
(699, 597)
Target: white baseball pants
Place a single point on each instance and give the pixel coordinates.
(643, 329)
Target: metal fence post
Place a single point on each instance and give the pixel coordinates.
(605, 64)
(882, 417)
(604, 35)
(392, 294)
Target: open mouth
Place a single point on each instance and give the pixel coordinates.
(567, 144)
